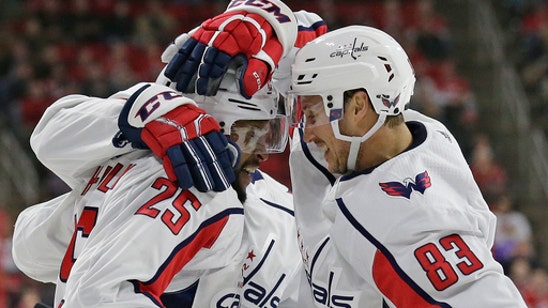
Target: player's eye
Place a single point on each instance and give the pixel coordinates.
(310, 118)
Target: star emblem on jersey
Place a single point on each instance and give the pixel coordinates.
(250, 255)
(399, 189)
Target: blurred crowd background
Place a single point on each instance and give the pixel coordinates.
(51, 48)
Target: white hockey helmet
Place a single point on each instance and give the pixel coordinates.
(266, 128)
(349, 58)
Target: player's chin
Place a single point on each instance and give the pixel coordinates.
(240, 186)
(244, 178)
(332, 169)
(331, 161)
(335, 166)
(245, 172)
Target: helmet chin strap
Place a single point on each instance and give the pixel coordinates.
(355, 141)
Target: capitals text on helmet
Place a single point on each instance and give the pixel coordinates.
(350, 49)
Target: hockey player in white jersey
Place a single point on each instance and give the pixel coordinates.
(266, 269)
(387, 209)
(125, 234)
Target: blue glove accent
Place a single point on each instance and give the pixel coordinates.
(180, 167)
(205, 162)
(193, 76)
(131, 133)
(183, 68)
(212, 71)
(234, 153)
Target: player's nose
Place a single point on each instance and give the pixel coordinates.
(308, 134)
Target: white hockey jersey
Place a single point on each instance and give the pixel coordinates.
(411, 232)
(78, 134)
(271, 273)
(132, 231)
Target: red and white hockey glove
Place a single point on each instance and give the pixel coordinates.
(188, 141)
(250, 38)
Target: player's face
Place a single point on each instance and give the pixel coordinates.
(313, 110)
(317, 129)
(334, 150)
(246, 134)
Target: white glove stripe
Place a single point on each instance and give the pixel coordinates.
(196, 157)
(183, 132)
(216, 165)
(181, 129)
(244, 19)
(192, 151)
(199, 165)
(170, 122)
(229, 20)
(256, 24)
(197, 124)
(213, 38)
(277, 14)
(202, 62)
(262, 55)
(210, 151)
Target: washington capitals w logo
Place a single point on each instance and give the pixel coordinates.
(397, 189)
(387, 102)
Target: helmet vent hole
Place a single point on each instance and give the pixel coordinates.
(222, 123)
(304, 79)
(391, 77)
(382, 58)
(388, 68)
(243, 104)
(310, 59)
(249, 108)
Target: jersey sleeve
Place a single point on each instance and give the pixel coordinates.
(41, 235)
(75, 135)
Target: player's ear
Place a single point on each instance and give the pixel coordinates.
(359, 105)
